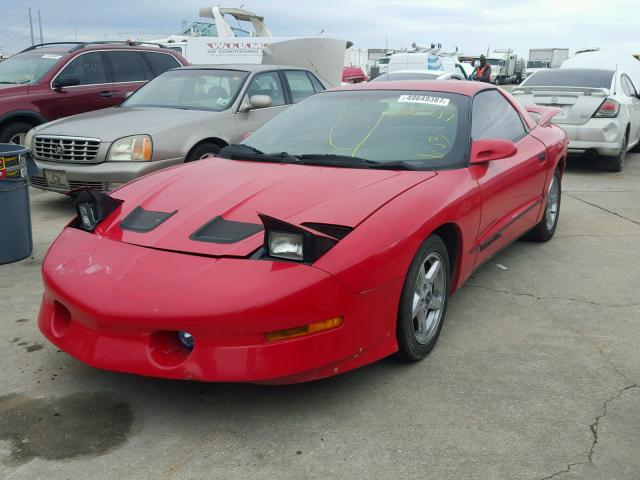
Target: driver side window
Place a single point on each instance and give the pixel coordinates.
(89, 68)
(494, 117)
(267, 84)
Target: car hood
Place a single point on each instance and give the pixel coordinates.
(110, 124)
(198, 192)
(10, 89)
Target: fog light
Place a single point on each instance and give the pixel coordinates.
(186, 339)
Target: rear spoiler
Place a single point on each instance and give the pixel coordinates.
(545, 113)
(600, 92)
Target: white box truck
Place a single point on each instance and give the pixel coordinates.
(552, 56)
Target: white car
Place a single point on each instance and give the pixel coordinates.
(600, 108)
(418, 75)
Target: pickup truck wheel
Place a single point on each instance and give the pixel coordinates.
(202, 151)
(15, 133)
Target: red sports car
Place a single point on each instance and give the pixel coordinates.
(332, 238)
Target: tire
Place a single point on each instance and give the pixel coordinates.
(544, 231)
(616, 164)
(423, 303)
(202, 150)
(11, 132)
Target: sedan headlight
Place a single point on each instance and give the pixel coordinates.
(137, 148)
(29, 138)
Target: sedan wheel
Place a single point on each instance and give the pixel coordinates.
(616, 164)
(544, 231)
(423, 303)
(18, 138)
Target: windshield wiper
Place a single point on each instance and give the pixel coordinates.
(348, 161)
(9, 83)
(246, 152)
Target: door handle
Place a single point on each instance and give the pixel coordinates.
(106, 94)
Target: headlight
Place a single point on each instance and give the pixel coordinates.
(286, 245)
(137, 148)
(92, 207)
(291, 242)
(29, 138)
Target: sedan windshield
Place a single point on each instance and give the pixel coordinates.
(560, 77)
(28, 67)
(418, 130)
(406, 76)
(190, 89)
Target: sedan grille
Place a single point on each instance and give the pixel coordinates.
(66, 149)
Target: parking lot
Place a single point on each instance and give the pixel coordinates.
(536, 375)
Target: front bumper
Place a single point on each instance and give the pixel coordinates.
(119, 307)
(97, 175)
(601, 135)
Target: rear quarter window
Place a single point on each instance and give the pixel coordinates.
(570, 78)
(161, 62)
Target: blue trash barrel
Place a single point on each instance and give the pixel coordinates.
(16, 241)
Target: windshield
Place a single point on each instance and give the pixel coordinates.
(190, 89)
(495, 61)
(406, 76)
(570, 78)
(537, 64)
(200, 29)
(28, 67)
(424, 130)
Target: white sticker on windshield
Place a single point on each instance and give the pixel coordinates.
(52, 56)
(426, 99)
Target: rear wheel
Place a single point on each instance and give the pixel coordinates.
(544, 231)
(424, 299)
(616, 164)
(15, 133)
(202, 151)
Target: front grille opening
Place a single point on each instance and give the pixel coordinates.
(66, 149)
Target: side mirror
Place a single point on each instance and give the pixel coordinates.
(260, 101)
(66, 81)
(490, 149)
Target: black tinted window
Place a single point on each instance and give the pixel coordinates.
(570, 78)
(89, 68)
(494, 117)
(161, 62)
(299, 84)
(128, 67)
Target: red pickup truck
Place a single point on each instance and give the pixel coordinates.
(53, 80)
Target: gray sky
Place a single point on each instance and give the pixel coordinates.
(472, 25)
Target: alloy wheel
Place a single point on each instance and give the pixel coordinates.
(429, 298)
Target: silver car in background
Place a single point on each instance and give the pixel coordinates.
(600, 109)
(418, 75)
(182, 115)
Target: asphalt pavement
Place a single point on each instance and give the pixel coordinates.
(536, 376)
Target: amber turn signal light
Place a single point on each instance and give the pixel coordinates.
(305, 329)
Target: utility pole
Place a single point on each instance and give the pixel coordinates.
(40, 25)
(33, 40)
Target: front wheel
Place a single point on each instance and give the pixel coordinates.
(544, 231)
(15, 133)
(424, 299)
(202, 151)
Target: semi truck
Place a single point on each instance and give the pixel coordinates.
(506, 67)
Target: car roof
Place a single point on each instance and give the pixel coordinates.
(445, 86)
(245, 67)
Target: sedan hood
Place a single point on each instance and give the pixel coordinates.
(110, 124)
(197, 193)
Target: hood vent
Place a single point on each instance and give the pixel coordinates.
(335, 231)
(143, 221)
(220, 230)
